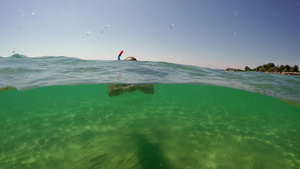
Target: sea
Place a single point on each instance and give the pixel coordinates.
(56, 113)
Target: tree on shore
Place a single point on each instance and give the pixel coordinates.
(247, 68)
(262, 69)
(272, 69)
(286, 68)
(281, 68)
(296, 68)
(269, 66)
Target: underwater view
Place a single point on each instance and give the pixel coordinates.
(58, 112)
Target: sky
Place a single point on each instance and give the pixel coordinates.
(205, 33)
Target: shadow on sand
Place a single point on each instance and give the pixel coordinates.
(150, 154)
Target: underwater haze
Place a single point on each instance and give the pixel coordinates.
(55, 112)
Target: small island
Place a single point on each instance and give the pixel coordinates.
(271, 68)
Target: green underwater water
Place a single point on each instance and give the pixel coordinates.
(180, 126)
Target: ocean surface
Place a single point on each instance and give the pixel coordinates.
(55, 112)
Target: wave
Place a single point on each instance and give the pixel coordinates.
(22, 72)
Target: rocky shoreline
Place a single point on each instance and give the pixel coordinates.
(286, 73)
(280, 73)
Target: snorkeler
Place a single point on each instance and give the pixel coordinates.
(118, 89)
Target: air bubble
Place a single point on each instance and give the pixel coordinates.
(88, 33)
(172, 25)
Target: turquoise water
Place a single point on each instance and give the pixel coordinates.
(25, 73)
(61, 116)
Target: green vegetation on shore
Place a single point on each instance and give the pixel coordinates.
(271, 67)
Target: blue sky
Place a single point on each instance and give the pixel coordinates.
(205, 33)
